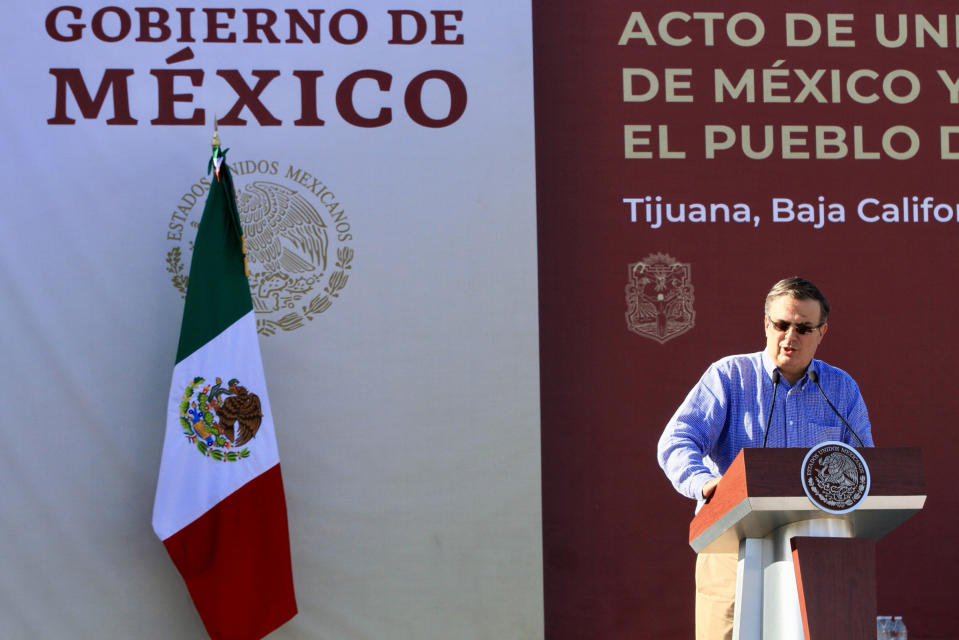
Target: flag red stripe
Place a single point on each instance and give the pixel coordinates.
(235, 560)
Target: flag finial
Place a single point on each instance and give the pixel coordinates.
(216, 136)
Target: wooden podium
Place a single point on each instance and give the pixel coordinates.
(804, 572)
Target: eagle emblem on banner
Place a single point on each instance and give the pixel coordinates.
(286, 238)
(295, 231)
(219, 419)
(659, 298)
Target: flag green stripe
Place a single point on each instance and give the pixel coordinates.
(218, 292)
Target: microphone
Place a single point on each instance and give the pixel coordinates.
(815, 378)
(771, 405)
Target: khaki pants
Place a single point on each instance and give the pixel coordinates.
(715, 595)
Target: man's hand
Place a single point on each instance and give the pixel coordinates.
(710, 488)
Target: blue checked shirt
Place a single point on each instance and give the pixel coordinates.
(726, 411)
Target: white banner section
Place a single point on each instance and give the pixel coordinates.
(401, 354)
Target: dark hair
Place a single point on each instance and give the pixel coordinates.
(800, 289)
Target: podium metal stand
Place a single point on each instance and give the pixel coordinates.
(804, 573)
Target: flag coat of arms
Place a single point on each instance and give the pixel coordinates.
(220, 509)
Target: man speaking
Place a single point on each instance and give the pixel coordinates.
(779, 397)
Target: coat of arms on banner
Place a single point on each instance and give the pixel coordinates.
(297, 241)
(659, 298)
(220, 419)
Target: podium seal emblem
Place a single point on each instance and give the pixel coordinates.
(835, 477)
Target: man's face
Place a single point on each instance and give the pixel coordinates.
(791, 350)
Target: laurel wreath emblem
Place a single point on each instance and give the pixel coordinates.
(174, 262)
(319, 303)
(294, 320)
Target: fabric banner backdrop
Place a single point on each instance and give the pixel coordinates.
(724, 146)
(400, 354)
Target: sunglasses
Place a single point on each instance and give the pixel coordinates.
(801, 329)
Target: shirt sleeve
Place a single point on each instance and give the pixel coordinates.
(691, 433)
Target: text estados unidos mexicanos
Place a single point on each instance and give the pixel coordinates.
(338, 217)
(656, 212)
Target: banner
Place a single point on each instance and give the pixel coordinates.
(721, 148)
(402, 358)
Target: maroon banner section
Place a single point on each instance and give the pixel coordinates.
(722, 149)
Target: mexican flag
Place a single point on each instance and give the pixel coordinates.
(219, 508)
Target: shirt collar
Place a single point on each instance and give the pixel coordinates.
(769, 366)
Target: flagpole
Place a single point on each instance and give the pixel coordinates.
(215, 143)
(216, 138)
